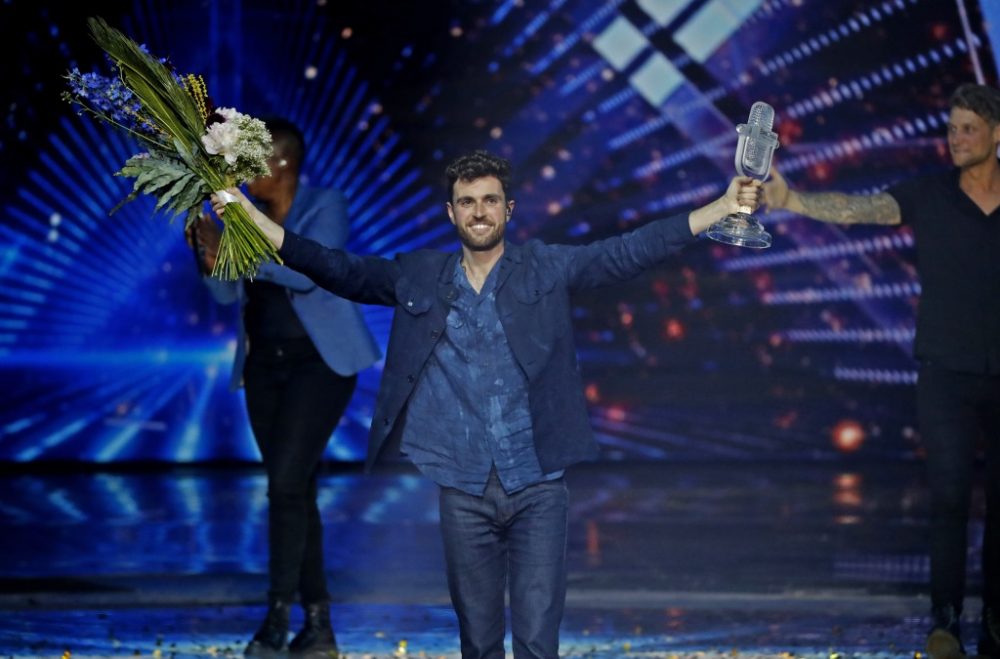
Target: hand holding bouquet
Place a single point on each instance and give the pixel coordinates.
(192, 149)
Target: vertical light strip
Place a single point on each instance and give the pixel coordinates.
(991, 23)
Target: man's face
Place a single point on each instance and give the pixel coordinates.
(265, 185)
(479, 211)
(971, 139)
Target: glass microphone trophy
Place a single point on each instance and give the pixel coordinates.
(754, 150)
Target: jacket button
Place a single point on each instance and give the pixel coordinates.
(435, 334)
(385, 421)
(409, 303)
(410, 378)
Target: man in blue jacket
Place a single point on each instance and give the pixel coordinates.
(482, 391)
(298, 353)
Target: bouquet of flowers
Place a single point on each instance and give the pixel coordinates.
(192, 148)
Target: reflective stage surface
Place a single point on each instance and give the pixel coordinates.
(680, 559)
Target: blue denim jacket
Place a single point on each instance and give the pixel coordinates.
(534, 283)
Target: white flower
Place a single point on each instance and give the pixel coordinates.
(223, 138)
(242, 141)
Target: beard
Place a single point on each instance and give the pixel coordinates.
(968, 159)
(481, 242)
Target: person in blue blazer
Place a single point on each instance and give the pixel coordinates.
(299, 351)
(481, 388)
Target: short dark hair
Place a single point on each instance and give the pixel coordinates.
(477, 165)
(289, 135)
(981, 99)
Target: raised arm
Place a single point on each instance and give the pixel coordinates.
(833, 207)
(365, 279)
(272, 230)
(626, 255)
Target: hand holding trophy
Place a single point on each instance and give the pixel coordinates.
(754, 150)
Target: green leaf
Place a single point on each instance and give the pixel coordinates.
(168, 179)
(131, 197)
(153, 182)
(193, 193)
(169, 195)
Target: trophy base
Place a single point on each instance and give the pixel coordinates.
(741, 230)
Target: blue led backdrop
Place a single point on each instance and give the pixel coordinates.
(613, 113)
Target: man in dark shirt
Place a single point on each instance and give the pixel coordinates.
(298, 377)
(955, 217)
(482, 389)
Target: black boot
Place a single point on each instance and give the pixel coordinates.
(945, 638)
(316, 639)
(270, 639)
(989, 633)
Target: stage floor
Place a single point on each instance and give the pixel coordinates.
(664, 561)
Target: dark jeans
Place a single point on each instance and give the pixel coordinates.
(956, 411)
(499, 538)
(294, 402)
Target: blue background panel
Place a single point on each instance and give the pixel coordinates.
(613, 113)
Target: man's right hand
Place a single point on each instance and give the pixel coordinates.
(271, 229)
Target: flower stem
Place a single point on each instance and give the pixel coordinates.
(243, 247)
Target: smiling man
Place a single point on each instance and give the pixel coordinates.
(955, 216)
(481, 387)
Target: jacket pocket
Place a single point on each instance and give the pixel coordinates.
(411, 298)
(533, 286)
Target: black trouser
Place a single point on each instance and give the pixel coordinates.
(956, 411)
(294, 402)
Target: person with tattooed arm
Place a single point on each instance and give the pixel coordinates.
(955, 218)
